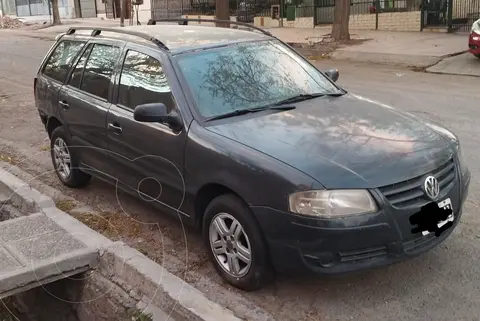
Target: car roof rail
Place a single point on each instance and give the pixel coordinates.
(184, 21)
(97, 31)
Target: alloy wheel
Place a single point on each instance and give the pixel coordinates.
(62, 159)
(230, 245)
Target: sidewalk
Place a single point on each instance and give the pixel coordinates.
(120, 277)
(413, 49)
(417, 49)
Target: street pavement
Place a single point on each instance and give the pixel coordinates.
(412, 49)
(443, 284)
(464, 64)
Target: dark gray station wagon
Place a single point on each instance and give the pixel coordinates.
(239, 135)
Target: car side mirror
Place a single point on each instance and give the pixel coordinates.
(157, 113)
(333, 74)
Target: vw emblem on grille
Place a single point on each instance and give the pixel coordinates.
(431, 186)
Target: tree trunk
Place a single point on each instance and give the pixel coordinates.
(222, 12)
(340, 21)
(55, 13)
(122, 13)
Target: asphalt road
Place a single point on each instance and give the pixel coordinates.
(443, 284)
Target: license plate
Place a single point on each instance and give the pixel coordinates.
(445, 204)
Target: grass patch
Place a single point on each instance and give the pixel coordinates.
(65, 205)
(45, 147)
(5, 314)
(12, 160)
(138, 315)
(110, 224)
(143, 251)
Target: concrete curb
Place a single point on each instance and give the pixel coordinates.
(403, 60)
(143, 275)
(450, 73)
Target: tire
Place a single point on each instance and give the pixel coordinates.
(228, 208)
(75, 178)
(478, 56)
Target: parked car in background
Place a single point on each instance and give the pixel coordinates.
(474, 39)
(237, 134)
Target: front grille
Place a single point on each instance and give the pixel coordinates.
(361, 255)
(410, 193)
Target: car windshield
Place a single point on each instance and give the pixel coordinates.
(248, 76)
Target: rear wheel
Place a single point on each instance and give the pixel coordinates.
(65, 160)
(235, 243)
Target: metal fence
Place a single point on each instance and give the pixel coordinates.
(324, 11)
(454, 15)
(168, 9)
(243, 10)
(464, 14)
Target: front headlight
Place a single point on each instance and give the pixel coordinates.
(333, 203)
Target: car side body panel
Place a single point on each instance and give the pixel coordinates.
(214, 159)
(147, 158)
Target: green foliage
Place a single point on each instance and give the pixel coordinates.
(137, 315)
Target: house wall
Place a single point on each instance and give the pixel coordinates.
(144, 12)
(465, 8)
(392, 21)
(268, 22)
(88, 8)
(66, 9)
(8, 7)
(232, 18)
(100, 7)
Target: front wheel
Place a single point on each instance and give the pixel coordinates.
(235, 243)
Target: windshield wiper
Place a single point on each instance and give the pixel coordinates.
(303, 97)
(239, 112)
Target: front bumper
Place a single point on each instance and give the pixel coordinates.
(474, 43)
(340, 246)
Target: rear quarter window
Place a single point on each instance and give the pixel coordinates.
(60, 61)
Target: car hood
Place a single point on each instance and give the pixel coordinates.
(343, 142)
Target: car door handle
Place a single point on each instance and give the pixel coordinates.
(115, 128)
(64, 104)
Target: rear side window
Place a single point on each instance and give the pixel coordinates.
(143, 81)
(76, 77)
(60, 61)
(99, 69)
